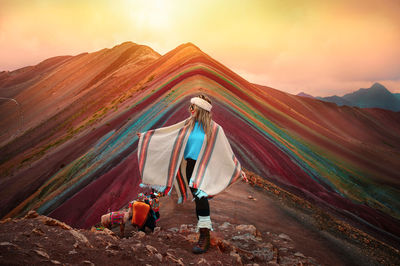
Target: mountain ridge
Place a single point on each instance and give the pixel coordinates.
(329, 155)
(377, 96)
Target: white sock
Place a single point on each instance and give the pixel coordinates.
(204, 222)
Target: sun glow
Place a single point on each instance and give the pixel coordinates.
(151, 14)
(316, 46)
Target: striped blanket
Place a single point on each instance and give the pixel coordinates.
(161, 163)
(117, 218)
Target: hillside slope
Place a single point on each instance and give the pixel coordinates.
(341, 158)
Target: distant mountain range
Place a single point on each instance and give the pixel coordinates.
(377, 96)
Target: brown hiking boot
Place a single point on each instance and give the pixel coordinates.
(204, 241)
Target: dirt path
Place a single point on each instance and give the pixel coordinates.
(267, 215)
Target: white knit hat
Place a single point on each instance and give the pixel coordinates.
(203, 104)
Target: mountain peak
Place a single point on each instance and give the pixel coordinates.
(378, 86)
(303, 94)
(189, 44)
(185, 50)
(377, 96)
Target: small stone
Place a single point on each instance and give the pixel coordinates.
(136, 247)
(157, 230)
(245, 237)
(80, 238)
(56, 262)
(159, 256)
(174, 259)
(87, 262)
(285, 237)
(8, 244)
(264, 254)
(224, 226)
(111, 252)
(173, 230)
(298, 254)
(247, 228)
(31, 215)
(39, 245)
(203, 261)
(112, 246)
(140, 235)
(236, 258)
(72, 252)
(42, 253)
(250, 197)
(151, 249)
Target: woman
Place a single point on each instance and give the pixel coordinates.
(194, 153)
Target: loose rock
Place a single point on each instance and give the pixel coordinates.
(247, 228)
(81, 238)
(42, 253)
(298, 254)
(38, 231)
(236, 258)
(224, 226)
(31, 215)
(285, 237)
(151, 249)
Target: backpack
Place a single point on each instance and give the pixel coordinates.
(140, 212)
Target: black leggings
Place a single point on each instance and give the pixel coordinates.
(202, 206)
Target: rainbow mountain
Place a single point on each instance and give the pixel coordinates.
(69, 149)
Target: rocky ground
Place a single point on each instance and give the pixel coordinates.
(252, 226)
(36, 240)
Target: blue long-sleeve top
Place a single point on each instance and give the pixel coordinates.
(194, 143)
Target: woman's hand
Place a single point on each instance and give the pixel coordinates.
(138, 134)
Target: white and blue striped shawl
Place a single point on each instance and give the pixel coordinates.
(161, 163)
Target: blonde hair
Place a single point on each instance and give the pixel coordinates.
(203, 117)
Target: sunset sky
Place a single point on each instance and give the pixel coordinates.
(319, 47)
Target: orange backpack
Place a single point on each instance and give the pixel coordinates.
(140, 210)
